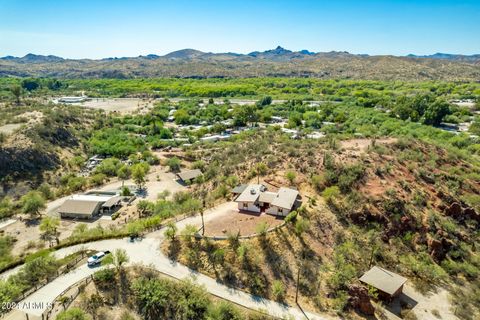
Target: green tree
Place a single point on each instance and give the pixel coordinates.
(435, 112)
(171, 231)
(30, 84)
(17, 93)
(261, 169)
(145, 208)
(295, 119)
(123, 173)
(49, 226)
(139, 171)
(46, 191)
(174, 164)
(32, 203)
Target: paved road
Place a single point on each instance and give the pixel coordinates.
(147, 252)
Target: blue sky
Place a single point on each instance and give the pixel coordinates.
(97, 29)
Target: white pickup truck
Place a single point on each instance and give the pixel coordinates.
(97, 258)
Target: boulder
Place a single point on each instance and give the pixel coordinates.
(470, 213)
(360, 300)
(454, 210)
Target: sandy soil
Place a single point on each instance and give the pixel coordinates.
(9, 128)
(363, 144)
(233, 221)
(423, 305)
(121, 105)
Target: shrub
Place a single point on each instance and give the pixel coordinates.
(278, 290)
(291, 217)
(330, 194)
(73, 314)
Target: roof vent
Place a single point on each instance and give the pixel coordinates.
(253, 191)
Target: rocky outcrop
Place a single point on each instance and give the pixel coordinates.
(360, 300)
(461, 213)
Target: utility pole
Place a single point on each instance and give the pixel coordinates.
(298, 276)
(201, 213)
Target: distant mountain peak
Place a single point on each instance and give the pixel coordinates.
(184, 54)
(307, 52)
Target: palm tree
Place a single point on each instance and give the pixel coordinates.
(117, 258)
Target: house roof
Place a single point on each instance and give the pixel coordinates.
(383, 280)
(285, 198)
(251, 193)
(267, 197)
(240, 188)
(190, 174)
(83, 207)
(113, 201)
(91, 197)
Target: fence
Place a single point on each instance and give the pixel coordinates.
(61, 271)
(68, 298)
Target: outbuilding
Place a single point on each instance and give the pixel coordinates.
(388, 283)
(189, 175)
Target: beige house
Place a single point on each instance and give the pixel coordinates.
(86, 206)
(256, 198)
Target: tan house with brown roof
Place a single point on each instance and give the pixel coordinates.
(256, 198)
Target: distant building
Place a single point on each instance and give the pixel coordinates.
(388, 283)
(276, 119)
(256, 198)
(72, 99)
(315, 135)
(215, 138)
(189, 175)
(86, 206)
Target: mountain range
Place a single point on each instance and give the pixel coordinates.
(278, 62)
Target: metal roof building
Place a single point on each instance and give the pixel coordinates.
(384, 280)
(83, 209)
(189, 175)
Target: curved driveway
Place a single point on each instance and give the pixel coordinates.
(147, 252)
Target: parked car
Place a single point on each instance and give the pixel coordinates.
(97, 258)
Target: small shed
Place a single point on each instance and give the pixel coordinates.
(189, 175)
(387, 282)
